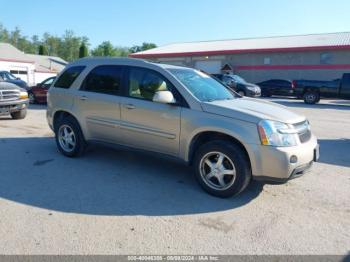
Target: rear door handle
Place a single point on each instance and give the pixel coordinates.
(83, 98)
(130, 106)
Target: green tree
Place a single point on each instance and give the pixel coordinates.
(107, 49)
(83, 50)
(145, 46)
(43, 50)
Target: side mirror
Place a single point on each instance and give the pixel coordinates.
(164, 97)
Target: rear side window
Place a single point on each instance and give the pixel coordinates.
(69, 76)
(105, 79)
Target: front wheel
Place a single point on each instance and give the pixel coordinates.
(69, 137)
(19, 114)
(222, 168)
(241, 93)
(311, 97)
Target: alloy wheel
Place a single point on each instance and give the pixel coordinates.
(217, 170)
(66, 138)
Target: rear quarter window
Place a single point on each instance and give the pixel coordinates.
(69, 76)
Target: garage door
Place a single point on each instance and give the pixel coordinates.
(211, 67)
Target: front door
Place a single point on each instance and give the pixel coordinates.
(146, 124)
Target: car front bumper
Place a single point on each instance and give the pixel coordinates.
(7, 107)
(275, 163)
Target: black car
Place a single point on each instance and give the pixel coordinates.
(10, 78)
(239, 85)
(278, 87)
(312, 90)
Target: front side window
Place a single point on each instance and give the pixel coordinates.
(104, 79)
(202, 86)
(69, 76)
(144, 83)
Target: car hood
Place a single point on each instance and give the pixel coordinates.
(252, 110)
(8, 86)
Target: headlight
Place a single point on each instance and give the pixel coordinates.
(273, 133)
(23, 95)
(251, 88)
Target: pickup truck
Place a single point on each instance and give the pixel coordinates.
(312, 91)
(13, 100)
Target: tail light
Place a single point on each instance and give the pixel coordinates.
(294, 84)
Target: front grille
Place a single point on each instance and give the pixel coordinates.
(304, 132)
(9, 95)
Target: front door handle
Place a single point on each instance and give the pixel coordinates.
(130, 106)
(83, 98)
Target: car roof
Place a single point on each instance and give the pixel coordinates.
(120, 61)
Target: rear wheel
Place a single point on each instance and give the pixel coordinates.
(222, 168)
(311, 97)
(69, 137)
(19, 114)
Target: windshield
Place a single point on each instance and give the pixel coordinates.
(239, 79)
(10, 76)
(202, 86)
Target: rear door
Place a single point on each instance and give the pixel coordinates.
(98, 103)
(146, 124)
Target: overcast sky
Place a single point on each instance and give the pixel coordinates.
(130, 22)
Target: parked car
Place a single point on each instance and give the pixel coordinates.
(38, 93)
(10, 78)
(239, 85)
(181, 112)
(278, 87)
(312, 90)
(13, 100)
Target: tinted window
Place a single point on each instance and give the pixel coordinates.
(104, 79)
(69, 76)
(144, 83)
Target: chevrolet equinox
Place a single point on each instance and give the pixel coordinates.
(181, 112)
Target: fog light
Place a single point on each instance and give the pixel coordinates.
(293, 159)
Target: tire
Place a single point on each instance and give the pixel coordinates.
(265, 94)
(19, 114)
(73, 144)
(241, 93)
(32, 99)
(234, 160)
(311, 97)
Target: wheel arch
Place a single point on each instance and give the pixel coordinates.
(207, 136)
(61, 114)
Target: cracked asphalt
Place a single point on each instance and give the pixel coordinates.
(113, 201)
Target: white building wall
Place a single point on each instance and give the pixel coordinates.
(20, 66)
(41, 76)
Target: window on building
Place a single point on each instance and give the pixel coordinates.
(267, 60)
(325, 58)
(105, 79)
(69, 76)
